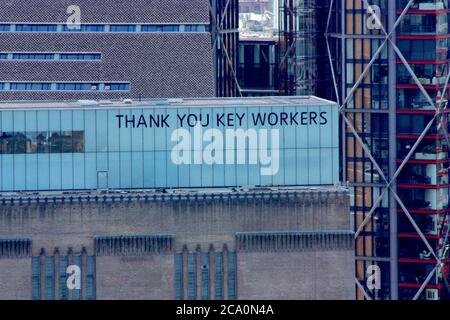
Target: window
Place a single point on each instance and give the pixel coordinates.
(63, 86)
(33, 56)
(151, 28)
(36, 28)
(194, 28)
(42, 142)
(30, 86)
(80, 56)
(35, 278)
(123, 28)
(171, 28)
(85, 28)
(100, 28)
(76, 86)
(50, 56)
(5, 27)
(117, 86)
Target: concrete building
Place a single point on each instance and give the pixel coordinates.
(266, 243)
(137, 199)
(119, 49)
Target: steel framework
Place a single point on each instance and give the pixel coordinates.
(225, 38)
(389, 183)
(301, 55)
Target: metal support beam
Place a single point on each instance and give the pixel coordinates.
(392, 98)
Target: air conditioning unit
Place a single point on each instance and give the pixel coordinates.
(431, 294)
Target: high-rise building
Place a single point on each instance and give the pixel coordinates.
(390, 69)
(58, 49)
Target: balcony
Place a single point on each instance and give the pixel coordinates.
(430, 225)
(424, 24)
(424, 199)
(415, 250)
(424, 174)
(416, 274)
(423, 5)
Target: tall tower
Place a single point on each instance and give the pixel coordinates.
(390, 71)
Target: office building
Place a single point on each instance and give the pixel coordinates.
(393, 94)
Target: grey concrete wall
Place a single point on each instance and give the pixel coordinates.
(135, 277)
(15, 279)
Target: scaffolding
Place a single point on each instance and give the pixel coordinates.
(225, 42)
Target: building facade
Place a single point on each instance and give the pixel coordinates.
(117, 50)
(173, 199)
(263, 244)
(188, 143)
(390, 65)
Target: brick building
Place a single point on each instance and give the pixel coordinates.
(131, 49)
(264, 243)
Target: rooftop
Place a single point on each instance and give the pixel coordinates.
(163, 194)
(176, 103)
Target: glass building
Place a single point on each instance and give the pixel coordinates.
(168, 144)
(393, 95)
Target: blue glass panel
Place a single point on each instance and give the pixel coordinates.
(219, 276)
(35, 278)
(63, 278)
(49, 278)
(205, 276)
(232, 276)
(123, 28)
(192, 277)
(178, 276)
